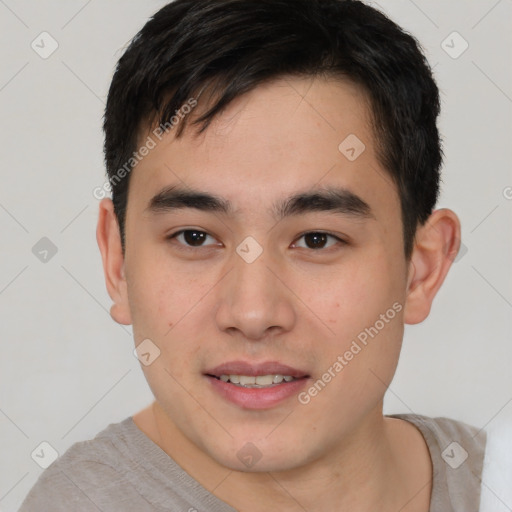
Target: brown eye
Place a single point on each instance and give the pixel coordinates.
(317, 240)
(195, 238)
(191, 237)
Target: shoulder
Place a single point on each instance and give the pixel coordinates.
(447, 435)
(79, 479)
(457, 452)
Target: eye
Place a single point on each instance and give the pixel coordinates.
(316, 240)
(191, 237)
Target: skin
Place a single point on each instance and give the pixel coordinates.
(294, 304)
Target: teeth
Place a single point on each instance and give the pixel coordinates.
(264, 380)
(251, 381)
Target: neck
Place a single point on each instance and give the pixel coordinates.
(382, 465)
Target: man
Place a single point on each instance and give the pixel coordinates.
(274, 166)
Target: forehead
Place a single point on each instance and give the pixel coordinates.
(287, 135)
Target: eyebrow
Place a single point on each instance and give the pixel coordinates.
(326, 199)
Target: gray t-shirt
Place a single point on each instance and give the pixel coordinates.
(122, 470)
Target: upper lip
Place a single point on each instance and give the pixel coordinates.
(255, 369)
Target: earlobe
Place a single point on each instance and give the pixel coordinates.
(109, 243)
(436, 245)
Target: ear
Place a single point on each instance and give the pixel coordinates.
(109, 242)
(436, 245)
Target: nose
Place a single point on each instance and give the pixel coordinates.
(254, 302)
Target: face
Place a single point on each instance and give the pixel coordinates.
(271, 247)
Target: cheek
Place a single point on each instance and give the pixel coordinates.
(150, 297)
(168, 307)
(159, 294)
(353, 297)
(356, 368)
(362, 306)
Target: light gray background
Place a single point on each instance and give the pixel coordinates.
(67, 370)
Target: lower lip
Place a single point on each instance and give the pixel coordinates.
(257, 398)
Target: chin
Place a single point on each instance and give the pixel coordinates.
(259, 465)
(259, 455)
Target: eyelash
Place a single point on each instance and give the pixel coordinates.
(192, 248)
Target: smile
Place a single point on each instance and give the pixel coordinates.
(256, 385)
(259, 381)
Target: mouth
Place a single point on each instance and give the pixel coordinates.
(258, 381)
(256, 386)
